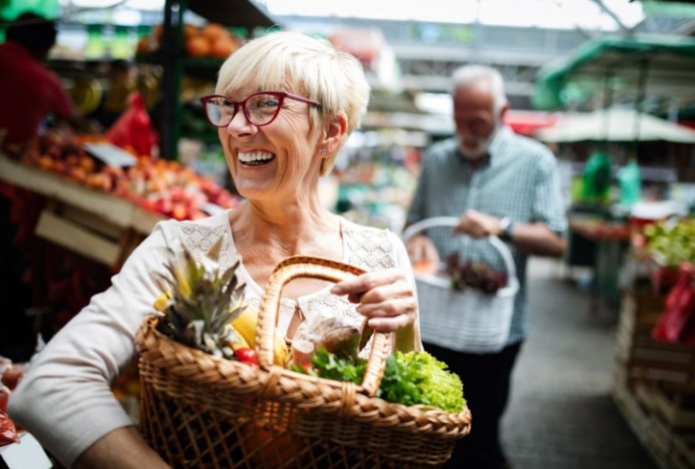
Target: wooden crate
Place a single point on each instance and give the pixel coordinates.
(684, 451)
(670, 447)
(643, 357)
(87, 234)
(92, 223)
(676, 406)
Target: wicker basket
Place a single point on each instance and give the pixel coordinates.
(199, 411)
(469, 320)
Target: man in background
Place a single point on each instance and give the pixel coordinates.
(496, 183)
(29, 91)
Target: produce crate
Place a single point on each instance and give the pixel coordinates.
(86, 234)
(643, 357)
(671, 447)
(676, 406)
(654, 383)
(92, 223)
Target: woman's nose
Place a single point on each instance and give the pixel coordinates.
(240, 124)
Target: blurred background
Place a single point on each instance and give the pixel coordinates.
(607, 85)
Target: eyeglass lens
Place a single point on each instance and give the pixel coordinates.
(260, 109)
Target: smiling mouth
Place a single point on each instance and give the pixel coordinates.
(256, 158)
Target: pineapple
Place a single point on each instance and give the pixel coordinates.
(203, 303)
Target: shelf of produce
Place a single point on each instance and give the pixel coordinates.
(120, 212)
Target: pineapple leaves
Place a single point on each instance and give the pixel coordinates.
(204, 301)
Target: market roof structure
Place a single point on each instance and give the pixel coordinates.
(614, 125)
(655, 65)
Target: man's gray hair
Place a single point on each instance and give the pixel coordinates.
(470, 75)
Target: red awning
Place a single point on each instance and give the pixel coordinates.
(527, 122)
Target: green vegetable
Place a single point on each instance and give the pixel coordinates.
(418, 378)
(413, 378)
(329, 366)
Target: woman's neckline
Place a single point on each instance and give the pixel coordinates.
(256, 289)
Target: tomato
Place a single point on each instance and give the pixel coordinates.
(246, 356)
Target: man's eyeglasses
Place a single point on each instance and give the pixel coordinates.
(259, 108)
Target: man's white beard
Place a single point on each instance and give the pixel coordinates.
(483, 145)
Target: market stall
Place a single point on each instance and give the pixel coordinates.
(635, 219)
(78, 214)
(654, 384)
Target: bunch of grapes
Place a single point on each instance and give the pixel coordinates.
(472, 274)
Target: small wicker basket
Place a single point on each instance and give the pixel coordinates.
(470, 320)
(200, 411)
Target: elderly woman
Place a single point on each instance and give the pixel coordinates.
(284, 105)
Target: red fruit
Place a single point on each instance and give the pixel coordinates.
(246, 356)
(179, 211)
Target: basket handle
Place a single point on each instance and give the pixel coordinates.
(324, 269)
(512, 280)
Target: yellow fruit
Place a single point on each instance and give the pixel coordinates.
(247, 323)
(160, 303)
(239, 343)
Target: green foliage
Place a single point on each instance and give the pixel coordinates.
(671, 243)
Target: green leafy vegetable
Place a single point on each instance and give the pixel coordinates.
(329, 366)
(411, 378)
(418, 378)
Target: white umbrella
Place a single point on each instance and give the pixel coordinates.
(615, 125)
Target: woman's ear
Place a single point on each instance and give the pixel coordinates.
(334, 135)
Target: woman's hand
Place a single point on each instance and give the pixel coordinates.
(385, 297)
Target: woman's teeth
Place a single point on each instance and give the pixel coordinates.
(256, 158)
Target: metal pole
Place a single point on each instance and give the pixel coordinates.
(607, 102)
(639, 102)
(168, 95)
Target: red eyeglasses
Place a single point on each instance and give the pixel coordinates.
(259, 108)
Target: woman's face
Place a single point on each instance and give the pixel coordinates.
(275, 161)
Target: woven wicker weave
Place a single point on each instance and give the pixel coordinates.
(199, 411)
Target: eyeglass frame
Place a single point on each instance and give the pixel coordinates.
(281, 95)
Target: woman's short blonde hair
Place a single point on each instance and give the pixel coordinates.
(307, 66)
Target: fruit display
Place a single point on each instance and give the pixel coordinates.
(211, 40)
(471, 274)
(86, 94)
(10, 374)
(671, 242)
(155, 184)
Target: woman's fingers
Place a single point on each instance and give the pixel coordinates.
(366, 282)
(385, 297)
(391, 315)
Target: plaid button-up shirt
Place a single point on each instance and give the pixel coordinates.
(519, 180)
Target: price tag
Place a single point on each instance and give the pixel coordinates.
(110, 154)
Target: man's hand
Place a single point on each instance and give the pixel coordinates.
(478, 225)
(534, 238)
